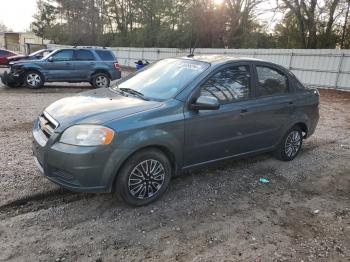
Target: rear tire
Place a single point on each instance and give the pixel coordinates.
(144, 177)
(290, 144)
(100, 80)
(33, 79)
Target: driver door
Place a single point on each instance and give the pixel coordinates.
(59, 66)
(216, 134)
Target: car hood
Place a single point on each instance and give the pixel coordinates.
(16, 57)
(96, 107)
(24, 61)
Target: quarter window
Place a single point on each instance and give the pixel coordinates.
(229, 85)
(271, 81)
(65, 55)
(105, 55)
(84, 55)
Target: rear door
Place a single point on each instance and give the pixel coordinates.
(83, 64)
(274, 104)
(60, 67)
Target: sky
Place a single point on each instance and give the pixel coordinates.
(17, 14)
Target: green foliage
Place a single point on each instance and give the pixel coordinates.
(186, 23)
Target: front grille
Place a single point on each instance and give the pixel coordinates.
(47, 124)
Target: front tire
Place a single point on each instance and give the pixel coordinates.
(290, 145)
(100, 80)
(144, 177)
(33, 80)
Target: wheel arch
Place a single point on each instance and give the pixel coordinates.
(304, 128)
(100, 70)
(32, 69)
(162, 148)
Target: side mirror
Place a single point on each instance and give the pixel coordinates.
(50, 59)
(38, 57)
(206, 103)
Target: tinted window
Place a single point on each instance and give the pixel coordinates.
(229, 85)
(271, 81)
(3, 52)
(65, 55)
(105, 55)
(84, 55)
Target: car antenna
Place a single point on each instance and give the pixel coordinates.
(192, 50)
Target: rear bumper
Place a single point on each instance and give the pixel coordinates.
(116, 75)
(313, 121)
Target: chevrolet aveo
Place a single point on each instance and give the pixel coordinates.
(171, 116)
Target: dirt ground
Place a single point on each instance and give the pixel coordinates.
(221, 213)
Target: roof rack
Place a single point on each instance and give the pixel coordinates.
(96, 47)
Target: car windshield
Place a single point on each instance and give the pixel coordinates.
(163, 79)
(35, 53)
(51, 52)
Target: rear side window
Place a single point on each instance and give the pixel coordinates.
(105, 55)
(229, 85)
(84, 55)
(271, 81)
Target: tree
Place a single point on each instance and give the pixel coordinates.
(313, 18)
(44, 20)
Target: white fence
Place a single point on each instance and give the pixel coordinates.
(329, 68)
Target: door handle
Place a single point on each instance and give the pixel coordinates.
(290, 102)
(92, 63)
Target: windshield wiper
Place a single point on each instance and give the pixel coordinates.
(133, 92)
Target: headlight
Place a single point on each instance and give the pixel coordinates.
(87, 135)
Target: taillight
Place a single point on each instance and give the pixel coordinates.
(117, 66)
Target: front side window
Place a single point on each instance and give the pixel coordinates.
(163, 79)
(84, 55)
(229, 85)
(65, 55)
(271, 81)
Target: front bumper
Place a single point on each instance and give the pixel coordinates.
(81, 169)
(12, 79)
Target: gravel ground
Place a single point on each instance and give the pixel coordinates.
(221, 213)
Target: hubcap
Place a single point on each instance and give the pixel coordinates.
(101, 81)
(33, 79)
(293, 143)
(146, 179)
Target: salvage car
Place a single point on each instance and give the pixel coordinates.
(97, 66)
(171, 116)
(4, 54)
(32, 56)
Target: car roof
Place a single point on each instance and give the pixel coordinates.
(220, 59)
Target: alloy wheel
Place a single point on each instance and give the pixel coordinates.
(101, 81)
(33, 79)
(292, 144)
(146, 179)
